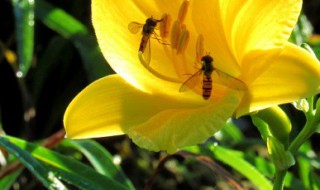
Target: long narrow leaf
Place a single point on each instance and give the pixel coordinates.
(79, 174)
(314, 181)
(24, 21)
(67, 26)
(46, 176)
(7, 181)
(49, 59)
(230, 134)
(100, 158)
(242, 166)
(234, 159)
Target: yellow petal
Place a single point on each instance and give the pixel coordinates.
(176, 128)
(293, 75)
(109, 106)
(260, 24)
(208, 20)
(120, 47)
(234, 28)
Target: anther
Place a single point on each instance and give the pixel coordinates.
(200, 47)
(183, 10)
(183, 41)
(175, 34)
(183, 27)
(165, 26)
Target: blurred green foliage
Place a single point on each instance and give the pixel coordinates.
(48, 53)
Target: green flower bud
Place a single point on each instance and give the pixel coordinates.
(301, 105)
(278, 123)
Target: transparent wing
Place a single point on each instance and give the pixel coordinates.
(191, 82)
(228, 80)
(134, 27)
(147, 52)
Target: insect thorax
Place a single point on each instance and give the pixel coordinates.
(207, 67)
(149, 26)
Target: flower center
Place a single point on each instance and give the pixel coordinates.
(179, 38)
(179, 34)
(196, 73)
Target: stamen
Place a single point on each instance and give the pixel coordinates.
(183, 27)
(165, 26)
(183, 41)
(154, 72)
(200, 47)
(175, 34)
(183, 10)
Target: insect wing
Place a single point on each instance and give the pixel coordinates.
(134, 27)
(228, 80)
(147, 49)
(191, 82)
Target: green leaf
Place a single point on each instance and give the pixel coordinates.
(46, 176)
(293, 183)
(100, 158)
(314, 181)
(70, 170)
(48, 61)
(7, 181)
(229, 134)
(281, 158)
(279, 124)
(24, 23)
(263, 166)
(232, 159)
(302, 30)
(262, 126)
(306, 160)
(268, 169)
(242, 166)
(235, 160)
(67, 26)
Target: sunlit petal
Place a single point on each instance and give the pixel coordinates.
(295, 74)
(208, 20)
(175, 128)
(159, 105)
(110, 106)
(260, 24)
(120, 47)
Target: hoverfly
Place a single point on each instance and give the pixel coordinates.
(208, 73)
(147, 30)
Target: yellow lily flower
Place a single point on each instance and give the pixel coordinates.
(247, 40)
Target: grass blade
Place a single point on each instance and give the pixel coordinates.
(100, 158)
(67, 26)
(228, 157)
(24, 21)
(234, 160)
(69, 169)
(7, 181)
(46, 176)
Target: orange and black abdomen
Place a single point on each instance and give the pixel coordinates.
(144, 42)
(206, 87)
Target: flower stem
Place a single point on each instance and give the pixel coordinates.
(305, 133)
(279, 181)
(313, 121)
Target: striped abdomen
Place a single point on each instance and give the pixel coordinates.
(144, 41)
(206, 87)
